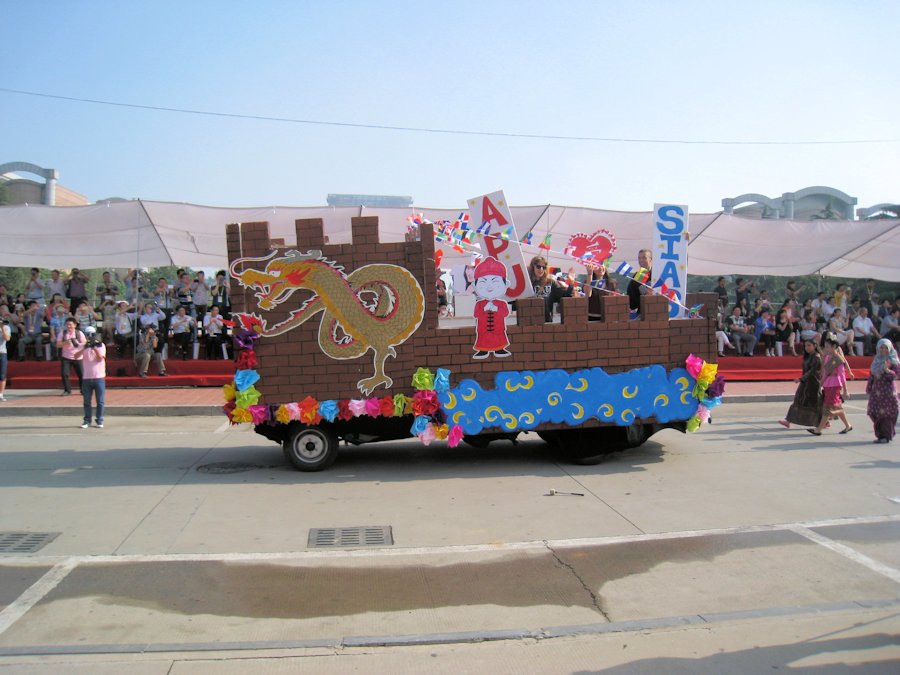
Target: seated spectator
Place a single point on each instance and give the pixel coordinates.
(810, 330)
(57, 325)
(545, 286)
(839, 326)
(746, 311)
(124, 327)
(784, 333)
(55, 301)
(741, 333)
(889, 328)
(31, 331)
(763, 304)
(5, 336)
(152, 317)
(864, 333)
(722, 340)
(182, 326)
(442, 303)
(107, 311)
(764, 331)
(148, 347)
(884, 310)
(86, 316)
(213, 329)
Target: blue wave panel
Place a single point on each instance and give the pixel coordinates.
(521, 400)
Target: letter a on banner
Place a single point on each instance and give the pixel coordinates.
(493, 210)
(670, 252)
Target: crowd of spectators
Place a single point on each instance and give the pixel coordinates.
(857, 319)
(183, 312)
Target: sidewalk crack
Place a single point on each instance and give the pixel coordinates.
(595, 599)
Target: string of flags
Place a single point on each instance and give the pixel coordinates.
(459, 235)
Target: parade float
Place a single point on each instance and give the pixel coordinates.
(343, 342)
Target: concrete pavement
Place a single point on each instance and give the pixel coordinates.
(183, 545)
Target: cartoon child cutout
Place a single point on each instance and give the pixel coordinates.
(491, 310)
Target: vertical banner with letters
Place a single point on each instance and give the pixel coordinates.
(489, 215)
(670, 253)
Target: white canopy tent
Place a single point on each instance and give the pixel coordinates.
(148, 234)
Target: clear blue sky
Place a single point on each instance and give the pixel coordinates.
(813, 70)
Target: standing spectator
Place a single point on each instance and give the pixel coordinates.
(182, 326)
(34, 288)
(221, 297)
(722, 292)
(55, 301)
(763, 303)
(828, 307)
(107, 290)
(148, 347)
(882, 406)
(184, 293)
(741, 333)
(213, 327)
(742, 290)
(792, 292)
(868, 297)
(635, 290)
(842, 298)
(76, 287)
(864, 333)
(200, 289)
(883, 310)
(5, 336)
(818, 302)
(162, 298)
(107, 311)
(31, 331)
(94, 381)
(70, 343)
(55, 286)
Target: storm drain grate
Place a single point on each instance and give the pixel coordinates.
(329, 537)
(25, 542)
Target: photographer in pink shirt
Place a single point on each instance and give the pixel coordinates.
(94, 380)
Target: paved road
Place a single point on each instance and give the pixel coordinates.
(182, 545)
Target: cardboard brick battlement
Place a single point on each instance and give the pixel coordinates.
(293, 366)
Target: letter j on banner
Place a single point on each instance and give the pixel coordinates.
(670, 258)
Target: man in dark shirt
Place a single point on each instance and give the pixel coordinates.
(636, 290)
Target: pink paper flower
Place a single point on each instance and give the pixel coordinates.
(373, 406)
(693, 364)
(357, 407)
(428, 435)
(454, 436)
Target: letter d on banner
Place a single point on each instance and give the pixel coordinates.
(670, 244)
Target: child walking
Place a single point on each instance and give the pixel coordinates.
(835, 371)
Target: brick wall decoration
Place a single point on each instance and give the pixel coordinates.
(292, 366)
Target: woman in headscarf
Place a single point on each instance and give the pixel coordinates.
(882, 408)
(806, 409)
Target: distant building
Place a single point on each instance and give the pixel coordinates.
(812, 203)
(24, 191)
(369, 200)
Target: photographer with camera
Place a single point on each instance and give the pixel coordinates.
(68, 344)
(5, 336)
(93, 353)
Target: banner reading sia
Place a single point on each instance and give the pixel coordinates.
(490, 215)
(670, 258)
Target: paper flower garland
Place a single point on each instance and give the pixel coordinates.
(430, 420)
(708, 389)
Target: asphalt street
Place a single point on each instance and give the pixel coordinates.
(171, 545)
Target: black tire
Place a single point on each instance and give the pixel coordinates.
(483, 440)
(311, 448)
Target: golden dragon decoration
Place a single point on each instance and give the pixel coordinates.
(376, 307)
